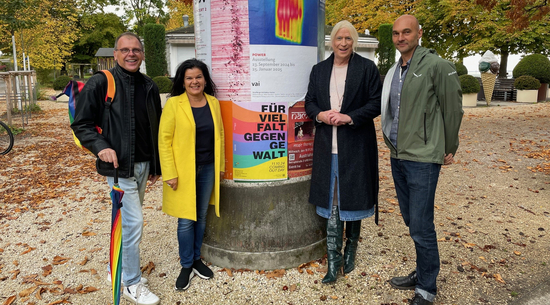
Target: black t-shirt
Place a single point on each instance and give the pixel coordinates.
(204, 149)
(142, 129)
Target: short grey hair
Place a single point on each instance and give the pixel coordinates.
(344, 24)
(128, 34)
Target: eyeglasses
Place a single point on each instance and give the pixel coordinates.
(126, 51)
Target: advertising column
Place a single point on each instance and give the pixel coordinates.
(261, 53)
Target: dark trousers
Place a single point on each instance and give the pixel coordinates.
(415, 185)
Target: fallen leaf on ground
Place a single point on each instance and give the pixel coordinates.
(10, 300)
(29, 249)
(275, 273)
(47, 270)
(84, 261)
(499, 278)
(87, 290)
(27, 291)
(58, 260)
(149, 268)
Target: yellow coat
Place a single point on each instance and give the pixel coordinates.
(177, 156)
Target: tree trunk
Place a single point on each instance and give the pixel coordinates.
(503, 64)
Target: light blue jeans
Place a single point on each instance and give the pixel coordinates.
(191, 233)
(345, 215)
(132, 220)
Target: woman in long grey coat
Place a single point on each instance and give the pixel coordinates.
(343, 98)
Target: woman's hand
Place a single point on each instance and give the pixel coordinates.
(338, 119)
(173, 183)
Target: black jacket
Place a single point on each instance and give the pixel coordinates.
(357, 144)
(117, 121)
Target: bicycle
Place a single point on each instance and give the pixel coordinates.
(6, 139)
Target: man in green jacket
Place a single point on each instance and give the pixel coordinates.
(421, 116)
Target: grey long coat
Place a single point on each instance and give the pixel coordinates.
(357, 145)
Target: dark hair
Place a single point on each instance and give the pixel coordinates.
(128, 34)
(178, 88)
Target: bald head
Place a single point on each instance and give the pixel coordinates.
(410, 20)
(406, 34)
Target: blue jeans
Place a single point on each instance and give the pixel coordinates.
(132, 220)
(345, 215)
(191, 233)
(415, 185)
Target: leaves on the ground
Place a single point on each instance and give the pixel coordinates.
(148, 268)
(84, 261)
(10, 300)
(275, 273)
(58, 260)
(47, 270)
(27, 291)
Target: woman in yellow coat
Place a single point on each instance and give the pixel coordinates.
(191, 148)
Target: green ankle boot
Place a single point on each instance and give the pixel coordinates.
(353, 230)
(335, 228)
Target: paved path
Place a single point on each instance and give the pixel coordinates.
(540, 295)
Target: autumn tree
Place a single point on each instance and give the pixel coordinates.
(176, 10)
(15, 16)
(143, 12)
(367, 14)
(98, 30)
(446, 25)
(463, 27)
(49, 32)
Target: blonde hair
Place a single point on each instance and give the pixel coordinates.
(344, 24)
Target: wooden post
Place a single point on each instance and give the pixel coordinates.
(8, 100)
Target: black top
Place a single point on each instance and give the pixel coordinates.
(142, 129)
(204, 147)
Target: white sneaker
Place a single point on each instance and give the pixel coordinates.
(140, 294)
(143, 280)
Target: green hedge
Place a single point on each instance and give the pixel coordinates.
(155, 49)
(60, 82)
(526, 82)
(164, 84)
(461, 69)
(469, 84)
(386, 49)
(535, 65)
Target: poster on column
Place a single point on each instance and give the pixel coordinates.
(301, 132)
(259, 141)
(203, 31)
(283, 48)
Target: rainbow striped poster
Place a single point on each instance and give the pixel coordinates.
(260, 141)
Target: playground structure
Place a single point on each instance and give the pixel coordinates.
(18, 92)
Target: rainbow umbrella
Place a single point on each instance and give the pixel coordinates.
(115, 257)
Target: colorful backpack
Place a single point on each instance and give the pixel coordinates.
(72, 90)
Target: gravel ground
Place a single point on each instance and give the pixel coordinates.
(492, 220)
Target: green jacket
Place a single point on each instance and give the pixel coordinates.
(430, 112)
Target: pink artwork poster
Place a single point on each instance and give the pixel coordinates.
(231, 50)
(301, 132)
